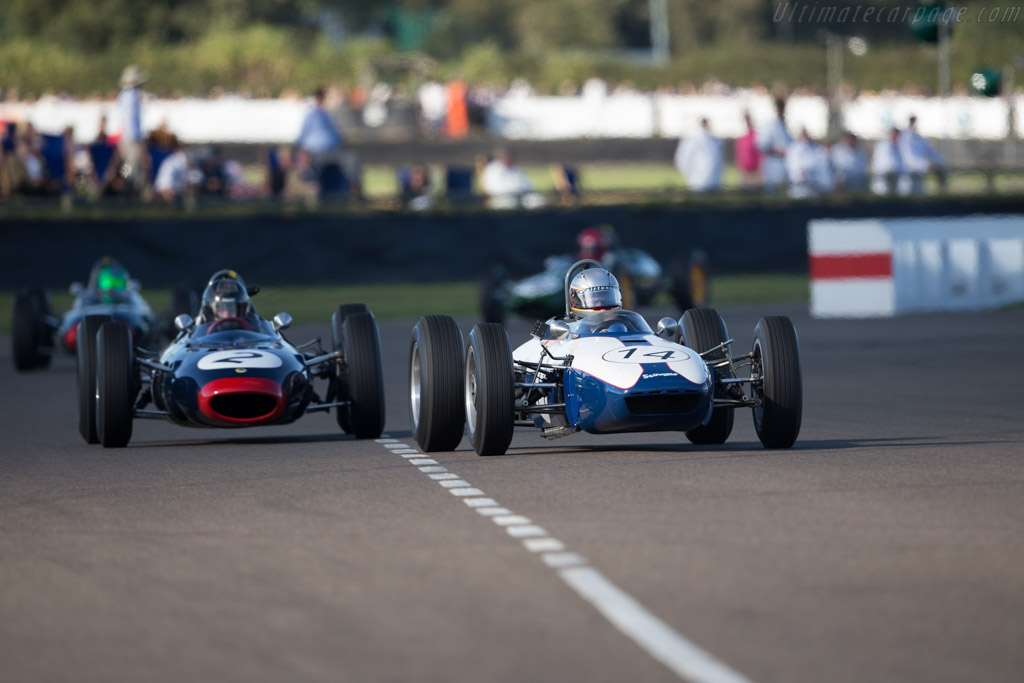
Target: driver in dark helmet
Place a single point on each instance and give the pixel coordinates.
(226, 305)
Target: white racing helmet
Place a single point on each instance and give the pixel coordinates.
(594, 290)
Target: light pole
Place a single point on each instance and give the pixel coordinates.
(835, 45)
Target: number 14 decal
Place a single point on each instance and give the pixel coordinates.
(645, 354)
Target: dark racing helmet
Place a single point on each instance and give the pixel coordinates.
(594, 290)
(225, 298)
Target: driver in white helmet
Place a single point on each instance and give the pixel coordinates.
(593, 290)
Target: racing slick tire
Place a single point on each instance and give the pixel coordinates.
(703, 329)
(777, 353)
(337, 323)
(85, 352)
(691, 280)
(490, 389)
(23, 333)
(627, 288)
(43, 332)
(364, 414)
(492, 296)
(437, 412)
(115, 385)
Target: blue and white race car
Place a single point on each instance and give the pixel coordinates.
(602, 370)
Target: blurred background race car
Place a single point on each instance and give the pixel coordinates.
(110, 291)
(640, 276)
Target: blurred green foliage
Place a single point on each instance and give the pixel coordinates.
(266, 47)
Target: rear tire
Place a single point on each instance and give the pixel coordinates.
(115, 385)
(23, 333)
(489, 389)
(703, 329)
(691, 280)
(365, 410)
(777, 419)
(437, 411)
(85, 352)
(492, 296)
(341, 388)
(43, 332)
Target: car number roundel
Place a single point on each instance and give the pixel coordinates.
(238, 358)
(645, 354)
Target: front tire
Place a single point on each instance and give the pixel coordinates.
(777, 353)
(436, 409)
(365, 410)
(85, 352)
(115, 385)
(489, 390)
(703, 329)
(341, 386)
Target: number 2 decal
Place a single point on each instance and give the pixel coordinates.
(645, 354)
(238, 358)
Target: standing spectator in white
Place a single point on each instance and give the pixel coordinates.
(773, 141)
(506, 184)
(887, 170)
(850, 162)
(132, 145)
(803, 158)
(699, 159)
(919, 157)
(174, 175)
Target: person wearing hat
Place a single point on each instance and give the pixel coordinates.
(132, 145)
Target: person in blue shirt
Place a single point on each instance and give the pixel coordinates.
(319, 135)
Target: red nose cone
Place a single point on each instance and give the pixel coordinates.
(242, 401)
(71, 338)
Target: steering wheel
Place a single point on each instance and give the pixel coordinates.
(236, 323)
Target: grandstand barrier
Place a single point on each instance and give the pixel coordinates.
(889, 267)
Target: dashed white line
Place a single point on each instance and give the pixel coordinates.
(465, 492)
(525, 530)
(658, 639)
(506, 520)
(479, 502)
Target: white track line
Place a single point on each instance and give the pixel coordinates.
(658, 639)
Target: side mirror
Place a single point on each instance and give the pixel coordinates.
(669, 329)
(184, 322)
(282, 321)
(134, 285)
(76, 288)
(559, 329)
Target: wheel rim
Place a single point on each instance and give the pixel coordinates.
(415, 386)
(471, 389)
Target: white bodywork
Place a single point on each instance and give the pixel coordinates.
(611, 360)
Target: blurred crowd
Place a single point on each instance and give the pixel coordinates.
(771, 158)
(156, 166)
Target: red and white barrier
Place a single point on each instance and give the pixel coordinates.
(886, 267)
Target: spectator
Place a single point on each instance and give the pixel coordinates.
(215, 177)
(699, 159)
(131, 144)
(850, 162)
(319, 136)
(433, 106)
(24, 171)
(748, 157)
(887, 170)
(301, 179)
(773, 141)
(506, 184)
(919, 158)
(802, 162)
(417, 188)
(173, 176)
(457, 121)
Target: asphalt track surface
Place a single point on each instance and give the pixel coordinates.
(888, 545)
